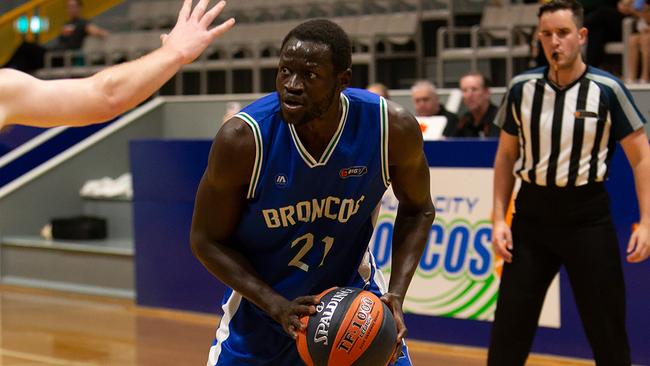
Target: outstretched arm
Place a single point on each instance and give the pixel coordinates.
(409, 173)
(105, 95)
(637, 151)
(97, 31)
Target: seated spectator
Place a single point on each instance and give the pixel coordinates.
(427, 104)
(639, 42)
(379, 89)
(477, 121)
(29, 56)
(604, 22)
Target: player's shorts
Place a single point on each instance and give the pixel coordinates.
(247, 336)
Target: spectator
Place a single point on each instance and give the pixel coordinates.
(639, 43)
(477, 121)
(604, 22)
(29, 56)
(379, 89)
(76, 29)
(536, 52)
(427, 104)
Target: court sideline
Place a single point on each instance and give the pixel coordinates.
(53, 328)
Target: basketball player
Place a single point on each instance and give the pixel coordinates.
(76, 102)
(560, 124)
(285, 207)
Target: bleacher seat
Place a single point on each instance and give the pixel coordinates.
(139, 15)
(504, 33)
(373, 25)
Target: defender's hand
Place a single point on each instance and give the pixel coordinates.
(191, 36)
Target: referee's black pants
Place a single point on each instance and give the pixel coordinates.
(554, 227)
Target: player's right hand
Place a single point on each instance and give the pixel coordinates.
(394, 303)
(288, 314)
(502, 240)
(191, 36)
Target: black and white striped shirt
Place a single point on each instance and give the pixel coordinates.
(567, 136)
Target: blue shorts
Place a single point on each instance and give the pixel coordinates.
(247, 336)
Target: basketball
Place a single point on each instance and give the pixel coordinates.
(351, 327)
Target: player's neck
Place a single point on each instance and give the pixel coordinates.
(316, 134)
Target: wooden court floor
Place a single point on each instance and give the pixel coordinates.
(53, 328)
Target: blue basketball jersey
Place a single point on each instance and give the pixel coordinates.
(307, 221)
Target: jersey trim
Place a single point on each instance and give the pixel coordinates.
(259, 152)
(223, 332)
(306, 156)
(626, 105)
(525, 77)
(384, 141)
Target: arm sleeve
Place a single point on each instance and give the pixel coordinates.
(504, 118)
(625, 115)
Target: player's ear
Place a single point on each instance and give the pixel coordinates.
(345, 78)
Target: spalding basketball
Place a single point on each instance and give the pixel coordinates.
(351, 327)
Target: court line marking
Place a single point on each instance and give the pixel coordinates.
(479, 353)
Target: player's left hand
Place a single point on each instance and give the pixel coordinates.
(638, 248)
(394, 303)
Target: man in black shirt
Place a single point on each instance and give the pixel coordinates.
(77, 28)
(477, 121)
(427, 104)
(29, 56)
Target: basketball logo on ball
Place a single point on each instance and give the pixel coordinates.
(351, 327)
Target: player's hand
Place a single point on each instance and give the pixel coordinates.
(394, 303)
(638, 248)
(191, 36)
(502, 240)
(288, 313)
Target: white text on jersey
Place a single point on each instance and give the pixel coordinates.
(332, 208)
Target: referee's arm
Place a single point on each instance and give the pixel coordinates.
(637, 151)
(507, 154)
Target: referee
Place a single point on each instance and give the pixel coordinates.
(559, 126)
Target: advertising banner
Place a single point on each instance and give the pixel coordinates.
(458, 275)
